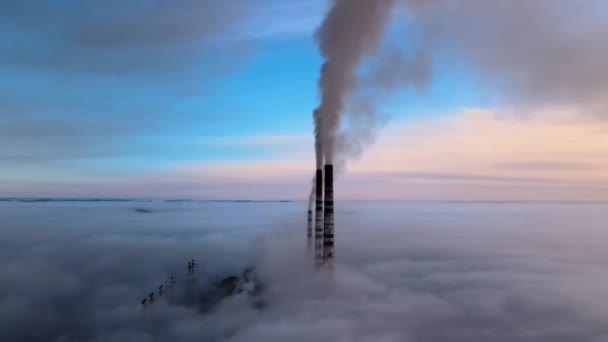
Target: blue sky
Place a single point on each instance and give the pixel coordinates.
(92, 91)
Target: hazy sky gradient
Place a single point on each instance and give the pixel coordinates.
(212, 100)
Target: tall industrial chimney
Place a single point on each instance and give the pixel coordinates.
(328, 233)
(309, 231)
(319, 218)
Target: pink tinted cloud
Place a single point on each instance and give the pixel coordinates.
(469, 155)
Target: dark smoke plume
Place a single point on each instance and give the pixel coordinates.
(351, 31)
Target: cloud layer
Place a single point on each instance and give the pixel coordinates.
(428, 272)
(95, 80)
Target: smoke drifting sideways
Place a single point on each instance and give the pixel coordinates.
(528, 54)
(426, 272)
(540, 53)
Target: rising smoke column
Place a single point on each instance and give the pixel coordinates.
(351, 31)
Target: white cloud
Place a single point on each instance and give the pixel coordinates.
(405, 272)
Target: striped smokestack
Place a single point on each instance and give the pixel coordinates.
(309, 231)
(319, 218)
(328, 230)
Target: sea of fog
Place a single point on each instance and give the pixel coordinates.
(405, 271)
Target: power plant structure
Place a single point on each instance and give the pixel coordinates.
(324, 250)
(162, 289)
(324, 217)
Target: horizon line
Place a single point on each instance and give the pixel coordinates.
(175, 200)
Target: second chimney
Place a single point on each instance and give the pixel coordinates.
(328, 229)
(309, 230)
